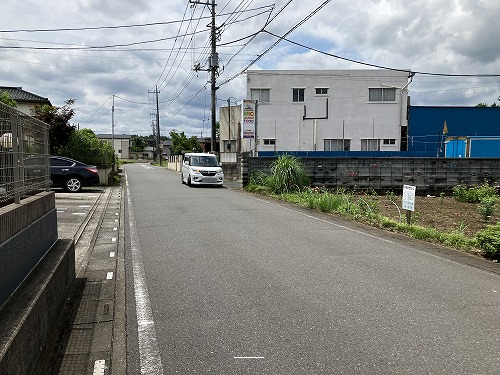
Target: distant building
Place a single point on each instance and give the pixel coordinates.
(329, 110)
(25, 100)
(120, 143)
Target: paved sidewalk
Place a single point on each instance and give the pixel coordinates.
(94, 337)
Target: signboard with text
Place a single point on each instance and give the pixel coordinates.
(248, 122)
(409, 197)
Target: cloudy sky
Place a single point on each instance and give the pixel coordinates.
(91, 50)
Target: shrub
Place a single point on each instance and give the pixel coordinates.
(259, 178)
(487, 206)
(489, 240)
(474, 193)
(288, 174)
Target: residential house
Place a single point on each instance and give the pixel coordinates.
(25, 100)
(329, 110)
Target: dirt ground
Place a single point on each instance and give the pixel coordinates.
(443, 213)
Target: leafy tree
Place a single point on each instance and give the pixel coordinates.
(138, 143)
(84, 146)
(181, 144)
(485, 105)
(6, 99)
(58, 118)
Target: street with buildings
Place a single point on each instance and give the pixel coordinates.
(215, 280)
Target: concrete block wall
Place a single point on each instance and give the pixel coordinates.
(28, 318)
(27, 231)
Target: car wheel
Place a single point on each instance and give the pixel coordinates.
(73, 185)
(182, 178)
(189, 180)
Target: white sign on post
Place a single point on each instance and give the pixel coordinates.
(409, 197)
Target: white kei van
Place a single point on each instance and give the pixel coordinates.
(201, 169)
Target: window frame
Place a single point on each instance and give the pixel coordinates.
(321, 93)
(345, 142)
(382, 97)
(296, 94)
(269, 141)
(260, 99)
(366, 142)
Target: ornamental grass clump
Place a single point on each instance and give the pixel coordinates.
(288, 175)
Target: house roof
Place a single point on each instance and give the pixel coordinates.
(116, 136)
(20, 95)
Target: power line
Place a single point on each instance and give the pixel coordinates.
(90, 28)
(379, 66)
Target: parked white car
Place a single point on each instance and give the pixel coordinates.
(201, 169)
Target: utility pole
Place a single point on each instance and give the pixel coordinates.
(158, 150)
(157, 135)
(214, 65)
(113, 125)
(213, 68)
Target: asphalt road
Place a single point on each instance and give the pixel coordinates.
(224, 282)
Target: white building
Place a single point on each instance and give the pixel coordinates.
(329, 110)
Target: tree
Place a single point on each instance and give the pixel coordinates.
(83, 145)
(5, 98)
(181, 144)
(485, 105)
(58, 119)
(138, 143)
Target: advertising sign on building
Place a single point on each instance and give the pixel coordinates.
(248, 127)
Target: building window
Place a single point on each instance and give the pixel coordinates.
(269, 142)
(261, 95)
(298, 95)
(321, 91)
(337, 144)
(382, 95)
(370, 145)
(389, 141)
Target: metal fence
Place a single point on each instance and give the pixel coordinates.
(24, 155)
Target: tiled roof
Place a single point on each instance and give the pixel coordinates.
(20, 95)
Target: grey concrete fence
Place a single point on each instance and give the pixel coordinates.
(429, 175)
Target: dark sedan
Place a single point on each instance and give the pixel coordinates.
(71, 174)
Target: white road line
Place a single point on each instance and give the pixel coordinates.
(113, 239)
(115, 228)
(84, 206)
(109, 276)
(111, 254)
(99, 367)
(149, 353)
(248, 357)
(79, 213)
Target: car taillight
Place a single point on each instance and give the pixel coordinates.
(92, 170)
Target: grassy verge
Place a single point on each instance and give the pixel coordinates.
(365, 209)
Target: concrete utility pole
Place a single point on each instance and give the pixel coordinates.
(157, 135)
(113, 125)
(213, 68)
(158, 150)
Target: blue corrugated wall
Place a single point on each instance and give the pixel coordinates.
(426, 124)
